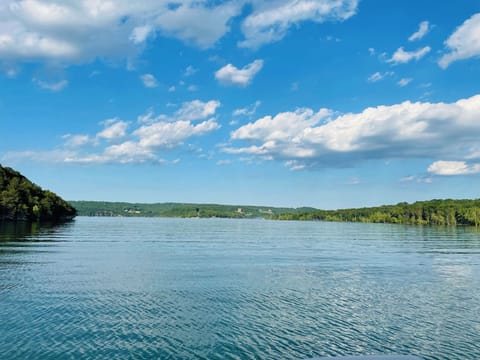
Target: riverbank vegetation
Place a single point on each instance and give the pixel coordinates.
(21, 200)
(433, 212)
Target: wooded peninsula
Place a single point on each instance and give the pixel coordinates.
(21, 200)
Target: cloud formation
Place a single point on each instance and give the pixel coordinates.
(149, 137)
(402, 57)
(149, 81)
(464, 43)
(247, 111)
(423, 29)
(54, 86)
(80, 31)
(73, 32)
(115, 129)
(306, 138)
(449, 168)
(198, 22)
(196, 110)
(231, 75)
(375, 77)
(404, 82)
(271, 20)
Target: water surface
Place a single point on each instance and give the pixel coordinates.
(140, 288)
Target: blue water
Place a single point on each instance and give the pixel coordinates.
(110, 288)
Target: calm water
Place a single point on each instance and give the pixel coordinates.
(108, 288)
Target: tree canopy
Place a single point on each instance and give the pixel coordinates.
(20, 199)
(434, 212)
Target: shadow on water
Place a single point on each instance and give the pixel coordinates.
(19, 240)
(31, 231)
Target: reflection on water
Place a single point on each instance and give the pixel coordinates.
(11, 231)
(237, 289)
(30, 231)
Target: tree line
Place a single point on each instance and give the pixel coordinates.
(434, 212)
(22, 200)
(181, 210)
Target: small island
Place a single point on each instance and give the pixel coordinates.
(22, 200)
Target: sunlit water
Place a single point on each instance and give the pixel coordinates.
(110, 288)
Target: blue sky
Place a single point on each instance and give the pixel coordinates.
(327, 103)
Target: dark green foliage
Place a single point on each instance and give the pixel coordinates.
(433, 212)
(97, 208)
(20, 199)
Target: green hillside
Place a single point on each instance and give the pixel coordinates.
(22, 200)
(433, 212)
(98, 208)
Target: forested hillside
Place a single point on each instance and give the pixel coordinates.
(20, 199)
(99, 208)
(433, 212)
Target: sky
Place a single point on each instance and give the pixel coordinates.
(323, 103)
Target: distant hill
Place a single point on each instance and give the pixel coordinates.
(22, 200)
(434, 212)
(98, 208)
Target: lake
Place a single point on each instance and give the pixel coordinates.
(148, 288)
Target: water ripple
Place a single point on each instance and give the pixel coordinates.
(218, 289)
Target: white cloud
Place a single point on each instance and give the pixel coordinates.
(405, 130)
(407, 178)
(448, 168)
(73, 32)
(149, 80)
(140, 34)
(401, 56)
(418, 179)
(115, 129)
(128, 151)
(168, 135)
(247, 111)
(81, 31)
(404, 82)
(375, 77)
(282, 127)
(423, 29)
(189, 71)
(52, 86)
(53, 156)
(151, 135)
(294, 165)
(230, 75)
(379, 76)
(464, 43)
(147, 117)
(271, 20)
(197, 22)
(197, 110)
(192, 88)
(76, 140)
